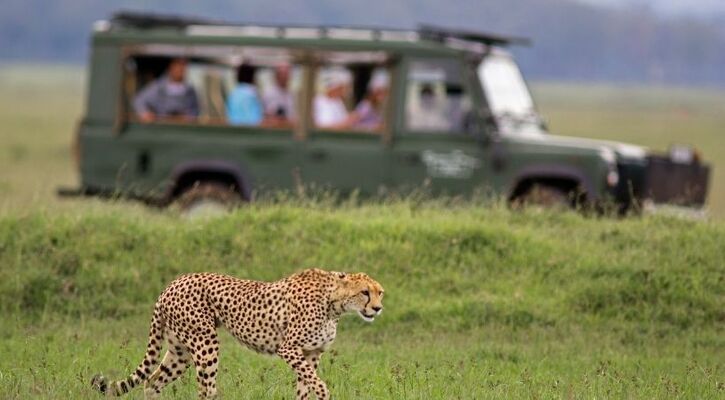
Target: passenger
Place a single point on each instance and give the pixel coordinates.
(279, 102)
(168, 96)
(369, 112)
(329, 107)
(430, 113)
(457, 113)
(243, 105)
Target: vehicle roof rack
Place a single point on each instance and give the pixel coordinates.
(144, 20)
(440, 34)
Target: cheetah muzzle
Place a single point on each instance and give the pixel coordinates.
(295, 318)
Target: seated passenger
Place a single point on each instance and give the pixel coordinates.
(243, 105)
(279, 102)
(329, 107)
(457, 113)
(429, 114)
(168, 96)
(369, 112)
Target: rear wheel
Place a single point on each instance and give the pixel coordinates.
(208, 199)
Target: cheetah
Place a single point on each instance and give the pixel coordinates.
(295, 318)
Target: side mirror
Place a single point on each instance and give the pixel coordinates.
(543, 125)
(482, 126)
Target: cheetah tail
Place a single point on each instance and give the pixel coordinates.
(144, 370)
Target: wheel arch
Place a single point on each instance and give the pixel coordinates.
(186, 174)
(560, 176)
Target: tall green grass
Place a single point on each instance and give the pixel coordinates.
(480, 302)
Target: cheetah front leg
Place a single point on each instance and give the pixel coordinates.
(306, 372)
(313, 358)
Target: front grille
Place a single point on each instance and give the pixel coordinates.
(631, 187)
(676, 183)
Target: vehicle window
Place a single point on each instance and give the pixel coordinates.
(436, 99)
(508, 96)
(223, 86)
(351, 94)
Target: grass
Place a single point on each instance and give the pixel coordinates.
(39, 107)
(480, 302)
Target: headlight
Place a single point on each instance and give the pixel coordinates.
(612, 178)
(682, 154)
(610, 157)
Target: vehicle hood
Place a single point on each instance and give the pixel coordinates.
(622, 150)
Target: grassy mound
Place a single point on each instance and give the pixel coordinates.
(537, 297)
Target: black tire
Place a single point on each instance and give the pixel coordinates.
(208, 197)
(545, 196)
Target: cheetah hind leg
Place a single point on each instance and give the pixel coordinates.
(175, 362)
(205, 354)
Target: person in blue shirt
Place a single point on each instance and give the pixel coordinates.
(243, 104)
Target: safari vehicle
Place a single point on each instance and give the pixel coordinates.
(456, 117)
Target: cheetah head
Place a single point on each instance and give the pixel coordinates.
(362, 294)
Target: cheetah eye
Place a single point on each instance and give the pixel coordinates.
(366, 293)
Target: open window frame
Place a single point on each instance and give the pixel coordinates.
(469, 127)
(210, 56)
(362, 65)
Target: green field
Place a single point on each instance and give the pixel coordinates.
(481, 302)
(39, 108)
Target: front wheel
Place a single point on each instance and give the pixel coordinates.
(545, 196)
(208, 199)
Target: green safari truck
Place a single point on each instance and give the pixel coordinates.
(374, 111)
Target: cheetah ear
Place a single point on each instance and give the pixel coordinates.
(341, 275)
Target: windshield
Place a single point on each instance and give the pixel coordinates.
(508, 97)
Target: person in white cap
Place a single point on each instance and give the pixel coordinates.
(329, 107)
(368, 114)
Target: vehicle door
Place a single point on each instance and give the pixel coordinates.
(261, 149)
(436, 146)
(344, 150)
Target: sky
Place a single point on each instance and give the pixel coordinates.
(672, 7)
(571, 41)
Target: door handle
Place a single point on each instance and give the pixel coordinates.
(318, 155)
